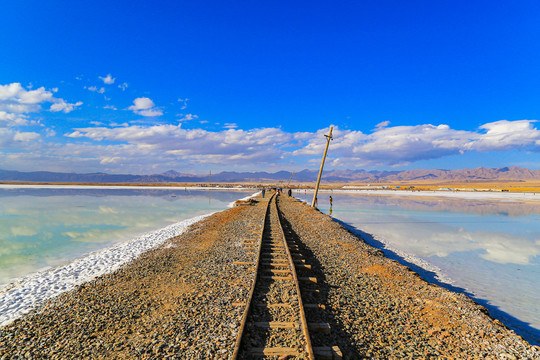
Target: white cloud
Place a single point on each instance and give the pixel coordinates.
(11, 119)
(16, 139)
(14, 99)
(111, 107)
(187, 117)
(197, 145)
(382, 124)
(142, 103)
(96, 89)
(506, 135)
(382, 147)
(184, 102)
(61, 105)
(145, 107)
(109, 159)
(230, 126)
(25, 136)
(109, 80)
(123, 86)
(401, 145)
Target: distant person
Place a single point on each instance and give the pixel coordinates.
(330, 202)
(263, 191)
(289, 192)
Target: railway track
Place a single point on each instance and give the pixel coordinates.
(274, 323)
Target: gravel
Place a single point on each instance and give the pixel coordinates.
(177, 301)
(380, 309)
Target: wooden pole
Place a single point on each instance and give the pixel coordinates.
(290, 179)
(328, 138)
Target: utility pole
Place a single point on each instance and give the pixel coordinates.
(328, 138)
(290, 179)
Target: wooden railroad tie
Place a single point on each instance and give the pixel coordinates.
(276, 271)
(282, 278)
(321, 352)
(315, 327)
(282, 264)
(327, 353)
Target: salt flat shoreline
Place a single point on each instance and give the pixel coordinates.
(24, 294)
(176, 300)
(461, 194)
(465, 195)
(116, 187)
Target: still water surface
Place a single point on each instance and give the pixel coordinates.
(488, 249)
(42, 228)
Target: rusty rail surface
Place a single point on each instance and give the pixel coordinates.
(277, 326)
(252, 290)
(274, 247)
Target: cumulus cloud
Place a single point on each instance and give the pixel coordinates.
(25, 136)
(123, 86)
(506, 135)
(16, 139)
(402, 145)
(188, 117)
(63, 106)
(96, 89)
(382, 147)
(145, 107)
(382, 124)
(227, 146)
(15, 99)
(109, 80)
(11, 119)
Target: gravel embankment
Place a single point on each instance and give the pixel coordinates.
(176, 301)
(378, 308)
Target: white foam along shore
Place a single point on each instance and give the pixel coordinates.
(20, 297)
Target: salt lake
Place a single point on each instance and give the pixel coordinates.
(486, 248)
(54, 238)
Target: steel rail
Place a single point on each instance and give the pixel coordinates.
(309, 347)
(255, 276)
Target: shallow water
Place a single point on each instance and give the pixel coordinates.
(44, 228)
(488, 249)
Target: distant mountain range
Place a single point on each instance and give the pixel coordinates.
(513, 173)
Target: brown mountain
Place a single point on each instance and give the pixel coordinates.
(512, 173)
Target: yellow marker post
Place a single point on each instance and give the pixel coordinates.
(328, 138)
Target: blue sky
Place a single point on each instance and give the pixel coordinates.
(143, 87)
